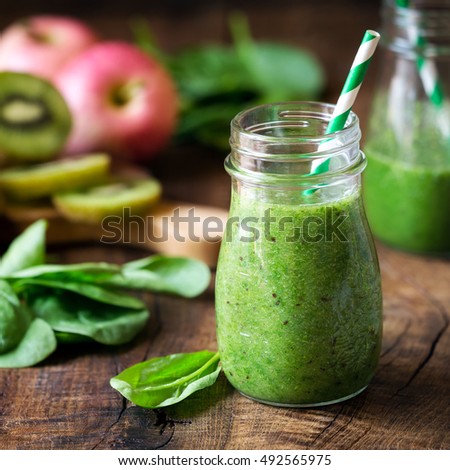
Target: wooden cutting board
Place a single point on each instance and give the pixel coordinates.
(172, 228)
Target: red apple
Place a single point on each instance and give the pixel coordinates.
(122, 101)
(41, 45)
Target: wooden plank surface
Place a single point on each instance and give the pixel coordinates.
(67, 403)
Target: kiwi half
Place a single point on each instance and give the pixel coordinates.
(94, 204)
(34, 118)
(45, 179)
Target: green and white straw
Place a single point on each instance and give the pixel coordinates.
(349, 92)
(429, 76)
(427, 71)
(354, 80)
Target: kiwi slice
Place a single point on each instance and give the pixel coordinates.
(45, 179)
(94, 204)
(34, 118)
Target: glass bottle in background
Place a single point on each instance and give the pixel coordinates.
(298, 295)
(407, 181)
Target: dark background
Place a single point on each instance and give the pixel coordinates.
(331, 29)
(178, 24)
(176, 7)
(302, 21)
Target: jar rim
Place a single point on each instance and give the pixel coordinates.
(276, 157)
(312, 108)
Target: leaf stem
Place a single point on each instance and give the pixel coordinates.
(239, 29)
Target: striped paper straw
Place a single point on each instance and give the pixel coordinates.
(427, 71)
(354, 80)
(429, 75)
(349, 92)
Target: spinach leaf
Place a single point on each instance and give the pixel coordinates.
(7, 292)
(82, 272)
(284, 73)
(209, 123)
(24, 340)
(37, 343)
(79, 302)
(14, 319)
(146, 40)
(215, 82)
(171, 275)
(163, 381)
(90, 291)
(83, 318)
(207, 71)
(27, 250)
(280, 72)
(71, 338)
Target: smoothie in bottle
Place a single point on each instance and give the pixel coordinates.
(407, 181)
(298, 296)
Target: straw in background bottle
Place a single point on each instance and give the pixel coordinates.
(428, 72)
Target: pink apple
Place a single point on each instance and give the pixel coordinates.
(41, 45)
(122, 101)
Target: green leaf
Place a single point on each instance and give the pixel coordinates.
(204, 116)
(27, 250)
(208, 71)
(163, 381)
(24, 341)
(145, 39)
(79, 318)
(38, 343)
(170, 275)
(209, 125)
(280, 72)
(90, 291)
(71, 338)
(215, 82)
(285, 73)
(7, 292)
(82, 272)
(14, 319)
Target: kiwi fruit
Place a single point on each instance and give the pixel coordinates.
(94, 204)
(45, 179)
(35, 120)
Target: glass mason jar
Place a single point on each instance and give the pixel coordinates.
(407, 182)
(298, 295)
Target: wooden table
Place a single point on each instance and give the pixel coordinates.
(67, 403)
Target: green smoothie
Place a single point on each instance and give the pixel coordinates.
(408, 205)
(407, 179)
(299, 317)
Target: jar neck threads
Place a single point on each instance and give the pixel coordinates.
(281, 144)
